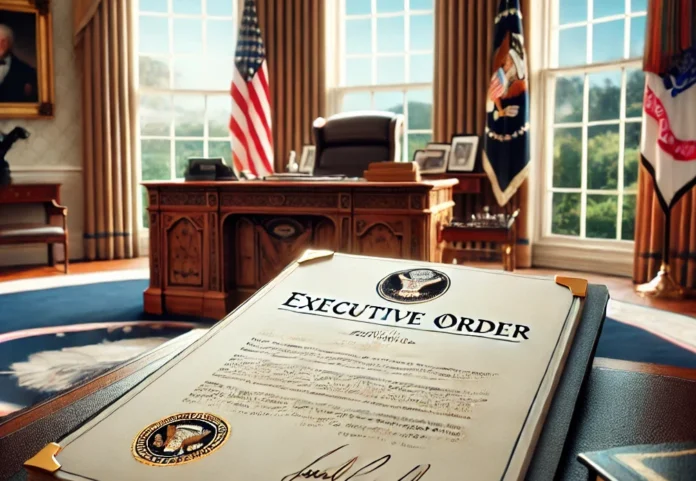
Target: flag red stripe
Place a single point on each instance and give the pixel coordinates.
(243, 106)
(260, 112)
(242, 140)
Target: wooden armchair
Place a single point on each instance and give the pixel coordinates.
(47, 233)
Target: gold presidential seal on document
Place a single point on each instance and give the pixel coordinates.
(413, 285)
(180, 438)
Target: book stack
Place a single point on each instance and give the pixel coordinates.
(392, 172)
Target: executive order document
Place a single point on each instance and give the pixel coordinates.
(349, 368)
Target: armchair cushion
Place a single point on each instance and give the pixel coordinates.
(39, 231)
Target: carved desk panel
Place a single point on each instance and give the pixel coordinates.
(212, 244)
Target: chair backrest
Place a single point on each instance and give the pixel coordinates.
(347, 143)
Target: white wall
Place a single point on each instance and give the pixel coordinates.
(53, 153)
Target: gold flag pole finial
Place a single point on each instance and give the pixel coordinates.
(662, 286)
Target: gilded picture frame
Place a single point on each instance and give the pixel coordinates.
(27, 87)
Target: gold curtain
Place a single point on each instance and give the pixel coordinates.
(294, 39)
(463, 59)
(649, 236)
(103, 38)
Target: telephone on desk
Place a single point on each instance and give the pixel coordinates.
(209, 169)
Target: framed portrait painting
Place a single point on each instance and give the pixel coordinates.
(26, 59)
(463, 153)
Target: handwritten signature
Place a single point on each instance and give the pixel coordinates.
(349, 470)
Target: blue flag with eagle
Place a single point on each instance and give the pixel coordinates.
(506, 143)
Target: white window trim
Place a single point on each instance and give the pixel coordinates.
(613, 257)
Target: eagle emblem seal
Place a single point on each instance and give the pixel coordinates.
(413, 286)
(180, 438)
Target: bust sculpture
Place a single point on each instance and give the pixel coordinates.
(6, 143)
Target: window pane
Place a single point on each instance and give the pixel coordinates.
(422, 32)
(608, 41)
(420, 109)
(565, 218)
(573, 46)
(416, 142)
(358, 7)
(639, 5)
(567, 157)
(635, 86)
(602, 157)
(569, 93)
(219, 110)
(607, 8)
(153, 72)
(189, 115)
(631, 155)
(390, 102)
(189, 73)
(154, 159)
(628, 219)
(358, 36)
(572, 11)
(355, 101)
(184, 150)
(421, 68)
(358, 71)
(601, 216)
(637, 37)
(390, 34)
(218, 74)
(221, 149)
(220, 7)
(384, 6)
(155, 114)
(220, 38)
(605, 95)
(421, 4)
(154, 35)
(186, 6)
(159, 6)
(188, 35)
(391, 70)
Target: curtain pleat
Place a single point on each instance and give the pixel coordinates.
(104, 45)
(463, 59)
(649, 235)
(294, 38)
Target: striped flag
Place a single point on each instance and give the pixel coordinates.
(250, 122)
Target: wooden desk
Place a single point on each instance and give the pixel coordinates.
(213, 244)
(469, 182)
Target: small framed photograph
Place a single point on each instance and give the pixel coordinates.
(463, 153)
(431, 161)
(307, 159)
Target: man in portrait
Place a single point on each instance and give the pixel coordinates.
(18, 80)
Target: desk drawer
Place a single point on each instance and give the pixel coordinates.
(29, 193)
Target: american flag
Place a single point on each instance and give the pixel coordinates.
(250, 122)
(497, 87)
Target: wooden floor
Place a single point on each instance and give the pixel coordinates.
(620, 288)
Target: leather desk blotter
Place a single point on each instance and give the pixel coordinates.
(624, 408)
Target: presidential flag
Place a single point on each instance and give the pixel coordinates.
(250, 122)
(506, 142)
(668, 141)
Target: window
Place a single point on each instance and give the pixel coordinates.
(593, 118)
(385, 62)
(185, 65)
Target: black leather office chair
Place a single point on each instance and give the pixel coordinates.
(347, 143)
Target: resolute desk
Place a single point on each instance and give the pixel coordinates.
(213, 244)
